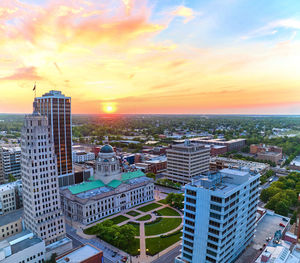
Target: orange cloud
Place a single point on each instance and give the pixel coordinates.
(23, 74)
(184, 12)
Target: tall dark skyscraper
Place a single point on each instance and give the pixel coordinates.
(57, 108)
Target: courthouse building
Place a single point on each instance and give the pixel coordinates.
(109, 191)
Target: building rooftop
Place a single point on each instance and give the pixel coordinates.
(12, 149)
(85, 186)
(10, 186)
(223, 181)
(79, 254)
(296, 161)
(11, 217)
(114, 183)
(131, 175)
(53, 93)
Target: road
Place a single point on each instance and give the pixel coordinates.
(267, 184)
(169, 257)
(107, 251)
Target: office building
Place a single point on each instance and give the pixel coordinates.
(57, 108)
(23, 247)
(186, 160)
(82, 156)
(82, 254)
(11, 224)
(10, 162)
(10, 197)
(42, 209)
(219, 216)
(108, 192)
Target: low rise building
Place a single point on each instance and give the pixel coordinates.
(267, 153)
(82, 254)
(295, 164)
(11, 224)
(232, 145)
(23, 247)
(10, 197)
(82, 156)
(82, 172)
(218, 163)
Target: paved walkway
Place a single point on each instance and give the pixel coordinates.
(143, 257)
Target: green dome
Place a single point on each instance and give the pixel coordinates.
(106, 149)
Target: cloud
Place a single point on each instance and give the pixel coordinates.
(272, 28)
(184, 12)
(23, 74)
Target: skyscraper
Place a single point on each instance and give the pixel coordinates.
(57, 108)
(41, 199)
(186, 160)
(219, 216)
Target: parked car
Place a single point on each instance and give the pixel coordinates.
(282, 225)
(284, 219)
(124, 259)
(114, 254)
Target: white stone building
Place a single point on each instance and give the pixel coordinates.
(10, 197)
(186, 160)
(10, 161)
(108, 192)
(42, 208)
(23, 247)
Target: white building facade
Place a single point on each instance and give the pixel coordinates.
(81, 156)
(219, 216)
(109, 192)
(42, 208)
(10, 158)
(10, 197)
(186, 160)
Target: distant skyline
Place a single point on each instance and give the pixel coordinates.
(161, 57)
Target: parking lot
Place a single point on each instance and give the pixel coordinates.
(264, 229)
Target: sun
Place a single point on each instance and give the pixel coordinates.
(109, 108)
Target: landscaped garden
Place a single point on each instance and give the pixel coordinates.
(136, 226)
(149, 207)
(119, 219)
(133, 213)
(144, 218)
(161, 225)
(157, 244)
(167, 211)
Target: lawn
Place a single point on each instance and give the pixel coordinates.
(136, 226)
(163, 201)
(162, 226)
(144, 218)
(90, 230)
(149, 207)
(132, 249)
(133, 213)
(119, 219)
(167, 211)
(157, 244)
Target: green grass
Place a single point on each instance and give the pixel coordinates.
(144, 218)
(132, 249)
(149, 207)
(119, 219)
(163, 201)
(90, 230)
(133, 213)
(167, 211)
(157, 244)
(162, 226)
(136, 226)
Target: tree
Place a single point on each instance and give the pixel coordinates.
(151, 175)
(175, 200)
(11, 178)
(52, 259)
(281, 208)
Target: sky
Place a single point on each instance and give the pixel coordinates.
(156, 56)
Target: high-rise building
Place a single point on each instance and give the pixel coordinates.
(219, 216)
(57, 108)
(186, 160)
(42, 209)
(10, 162)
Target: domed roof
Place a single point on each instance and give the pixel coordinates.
(106, 149)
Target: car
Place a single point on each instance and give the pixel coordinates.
(114, 254)
(124, 259)
(267, 239)
(264, 244)
(282, 225)
(284, 219)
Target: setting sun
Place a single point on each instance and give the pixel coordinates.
(109, 108)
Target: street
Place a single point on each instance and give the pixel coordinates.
(169, 257)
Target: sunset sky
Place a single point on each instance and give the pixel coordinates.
(156, 56)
